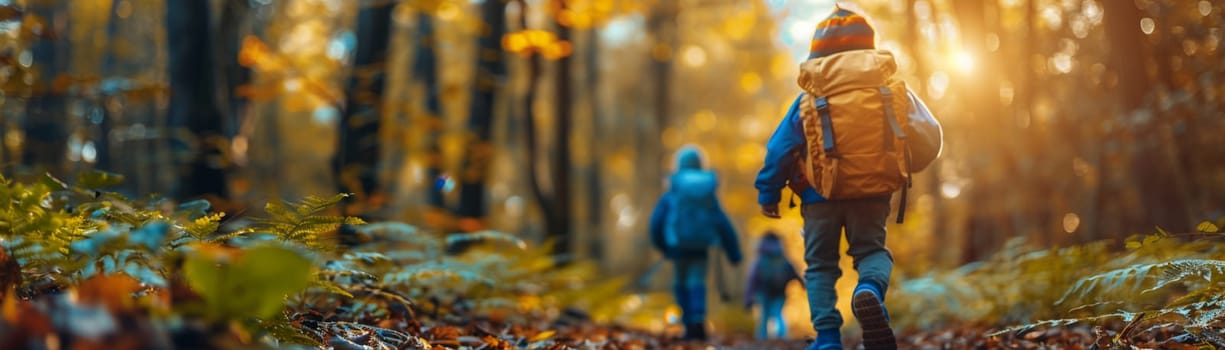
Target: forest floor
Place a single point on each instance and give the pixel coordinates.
(113, 273)
(967, 337)
(593, 336)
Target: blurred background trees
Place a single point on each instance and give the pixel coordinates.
(1066, 120)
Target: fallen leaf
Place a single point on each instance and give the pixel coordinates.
(543, 335)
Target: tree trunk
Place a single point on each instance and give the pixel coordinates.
(559, 218)
(233, 26)
(595, 195)
(663, 26)
(543, 200)
(357, 155)
(109, 69)
(1164, 193)
(490, 72)
(1126, 42)
(193, 104)
(988, 223)
(425, 67)
(46, 138)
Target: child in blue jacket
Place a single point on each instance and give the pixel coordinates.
(767, 285)
(862, 219)
(686, 222)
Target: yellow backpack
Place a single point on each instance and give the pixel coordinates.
(853, 114)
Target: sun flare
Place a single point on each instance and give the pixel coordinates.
(964, 61)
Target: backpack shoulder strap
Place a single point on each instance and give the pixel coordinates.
(894, 130)
(827, 127)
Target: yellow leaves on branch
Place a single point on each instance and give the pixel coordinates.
(529, 41)
(258, 56)
(1208, 227)
(586, 14)
(582, 14)
(255, 54)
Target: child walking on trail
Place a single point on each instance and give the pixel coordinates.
(767, 285)
(686, 222)
(842, 148)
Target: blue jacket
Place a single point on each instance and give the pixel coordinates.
(783, 155)
(690, 159)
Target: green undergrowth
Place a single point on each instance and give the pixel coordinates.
(1159, 279)
(298, 275)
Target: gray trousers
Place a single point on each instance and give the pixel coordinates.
(864, 224)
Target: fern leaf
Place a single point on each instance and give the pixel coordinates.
(1165, 274)
(279, 210)
(284, 332)
(384, 294)
(330, 287)
(204, 226)
(302, 223)
(1112, 280)
(232, 235)
(1185, 270)
(313, 205)
(1025, 328)
(433, 273)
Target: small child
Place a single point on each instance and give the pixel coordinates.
(767, 285)
(686, 223)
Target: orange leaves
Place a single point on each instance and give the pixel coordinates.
(112, 291)
(288, 79)
(255, 54)
(10, 273)
(444, 335)
(529, 41)
(585, 14)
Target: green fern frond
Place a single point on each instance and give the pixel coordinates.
(284, 332)
(1208, 293)
(330, 287)
(204, 226)
(279, 211)
(313, 205)
(226, 237)
(382, 293)
(302, 222)
(1112, 280)
(1026, 328)
(1164, 274)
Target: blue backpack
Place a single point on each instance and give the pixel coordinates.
(773, 273)
(691, 226)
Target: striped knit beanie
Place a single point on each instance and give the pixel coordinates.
(842, 31)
